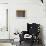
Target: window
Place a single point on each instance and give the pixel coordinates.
(20, 13)
(3, 17)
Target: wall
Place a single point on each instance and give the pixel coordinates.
(35, 12)
(3, 1)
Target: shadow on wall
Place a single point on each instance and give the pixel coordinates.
(41, 34)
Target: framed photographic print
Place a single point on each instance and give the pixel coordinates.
(20, 13)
